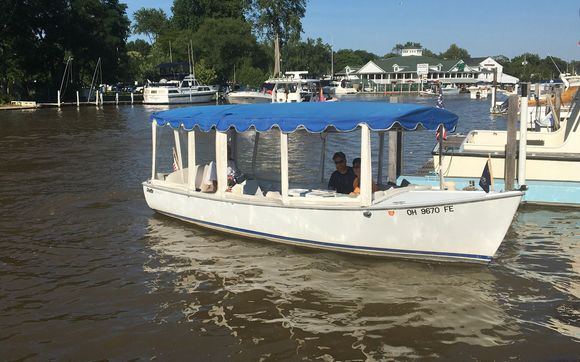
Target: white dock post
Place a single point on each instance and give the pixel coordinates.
(97, 98)
(217, 98)
(58, 98)
(102, 99)
(523, 136)
(131, 98)
(78, 100)
(117, 98)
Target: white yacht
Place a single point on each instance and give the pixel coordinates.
(174, 92)
(550, 169)
(293, 87)
(338, 88)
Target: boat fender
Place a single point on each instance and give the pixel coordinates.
(524, 188)
(367, 213)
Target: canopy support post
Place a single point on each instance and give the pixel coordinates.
(191, 166)
(366, 172)
(381, 157)
(154, 148)
(255, 153)
(441, 135)
(221, 157)
(178, 152)
(323, 157)
(284, 166)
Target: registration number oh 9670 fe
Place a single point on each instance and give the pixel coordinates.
(430, 210)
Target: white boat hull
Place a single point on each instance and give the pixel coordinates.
(470, 229)
(180, 98)
(246, 97)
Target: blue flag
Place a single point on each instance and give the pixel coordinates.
(485, 179)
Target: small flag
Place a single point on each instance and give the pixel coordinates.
(485, 179)
(175, 161)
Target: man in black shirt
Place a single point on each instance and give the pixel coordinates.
(342, 179)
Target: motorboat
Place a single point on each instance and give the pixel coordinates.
(293, 87)
(417, 222)
(249, 96)
(340, 88)
(188, 90)
(552, 157)
(449, 89)
(478, 92)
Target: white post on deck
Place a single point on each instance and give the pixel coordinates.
(154, 148)
(192, 172)
(117, 98)
(178, 152)
(366, 172)
(221, 158)
(131, 98)
(381, 157)
(58, 98)
(523, 140)
(284, 166)
(78, 100)
(97, 98)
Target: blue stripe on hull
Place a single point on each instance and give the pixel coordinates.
(351, 248)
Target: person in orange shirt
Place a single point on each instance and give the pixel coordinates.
(356, 182)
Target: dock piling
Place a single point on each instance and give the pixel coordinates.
(117, 98)
(510, 148)
(58, 98)
(78, 100)
(523, 135)
(131, 98)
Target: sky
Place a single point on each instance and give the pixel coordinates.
(484, 28)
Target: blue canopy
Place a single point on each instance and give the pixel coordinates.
(313, 116)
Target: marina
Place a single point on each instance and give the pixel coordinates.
(71, 226)
(283, 181)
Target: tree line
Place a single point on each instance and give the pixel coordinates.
(231, 40)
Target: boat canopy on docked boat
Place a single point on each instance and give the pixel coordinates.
(411, 222)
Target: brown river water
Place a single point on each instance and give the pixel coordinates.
(89, 272)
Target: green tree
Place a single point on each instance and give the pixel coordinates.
(278, 17)
(311, 55)
(204, 73)
(190, 14)
(150, 22)
(455, 52)
(345, 57)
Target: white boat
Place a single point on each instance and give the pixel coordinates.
(294, 87)
(174, 92)
(249, 97)
(478, 92)
(340, 88)
(550, 169)
(450, 89)
(411, 222)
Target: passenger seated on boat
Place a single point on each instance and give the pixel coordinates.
(356, 182)
(342, 179)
